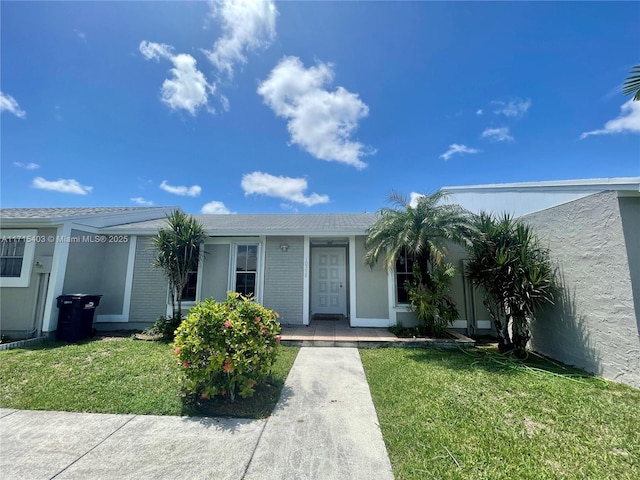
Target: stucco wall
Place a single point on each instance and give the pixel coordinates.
(284, 277)
(215, 272)
(593, 324)
(149, 290)
(84, 265)
(97, 268)
(18, 304)
(372, 299)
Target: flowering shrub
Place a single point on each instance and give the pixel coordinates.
(226, 348)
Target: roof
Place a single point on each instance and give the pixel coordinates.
(524, 198)
(591, 185)
(268, 224)
(90, 216)
(62, 212)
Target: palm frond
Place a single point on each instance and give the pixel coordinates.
(632, 83)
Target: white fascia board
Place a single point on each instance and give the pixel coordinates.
(586, 185)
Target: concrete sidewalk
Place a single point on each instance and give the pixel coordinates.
(324, 427)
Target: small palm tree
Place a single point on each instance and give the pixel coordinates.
(420, 231)
(177, 253)
(506, 260)
(632, 83)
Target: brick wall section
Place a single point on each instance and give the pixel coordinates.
(283, 279)
(593, 323)
(149, 291)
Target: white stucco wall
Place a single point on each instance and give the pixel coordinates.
(593, 325)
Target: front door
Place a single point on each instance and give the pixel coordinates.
(329, 281)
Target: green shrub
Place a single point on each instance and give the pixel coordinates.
(165, 326)
(226, 348)
(433, 303)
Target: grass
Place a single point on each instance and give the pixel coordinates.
(478, 415)
(118, 375)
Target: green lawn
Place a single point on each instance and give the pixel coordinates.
(478, 415)
(116, 376)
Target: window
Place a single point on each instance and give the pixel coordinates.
(17, 250)
(189, 290)
(246, 269)
(11, 256)
(404, 273)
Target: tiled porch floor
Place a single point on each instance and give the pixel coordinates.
(329, 333)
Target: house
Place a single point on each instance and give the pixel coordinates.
(307, 266)
(592, 230)
(49, 251)
(301, 265)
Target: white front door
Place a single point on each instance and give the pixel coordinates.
(329, 280)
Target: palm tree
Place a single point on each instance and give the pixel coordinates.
(177, 253)
(515, 272)
(420, 231)
(632, 83)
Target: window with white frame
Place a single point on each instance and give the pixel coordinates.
(404, 274)
(17, 249)
(246, 271)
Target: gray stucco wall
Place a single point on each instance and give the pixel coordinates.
(594, 323)
(149, 290)
(371, 286)
(84, 265)
(97, 268)
(215, 272)
(283, 278)
(17, 304)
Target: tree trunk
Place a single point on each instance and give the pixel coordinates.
(502, 327)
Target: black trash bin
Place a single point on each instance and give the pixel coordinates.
(75, 318)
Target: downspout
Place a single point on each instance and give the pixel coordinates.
(43, 294)
(38, 306)
(34, 312)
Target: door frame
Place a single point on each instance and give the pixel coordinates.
(345, 271)
(346, 241)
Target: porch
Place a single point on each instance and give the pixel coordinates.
(338, 333)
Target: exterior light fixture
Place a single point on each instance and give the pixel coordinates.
(284, 247)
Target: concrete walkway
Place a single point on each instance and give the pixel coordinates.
(324, 427)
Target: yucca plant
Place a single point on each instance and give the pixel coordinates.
(177, 253)
(632, 83)
(508, 263)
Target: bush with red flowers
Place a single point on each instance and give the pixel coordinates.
(226, 348)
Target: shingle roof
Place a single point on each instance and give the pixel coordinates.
(48, 213)
(273, 224)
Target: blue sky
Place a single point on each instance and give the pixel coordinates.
(260, 107)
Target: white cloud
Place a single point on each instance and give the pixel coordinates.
(61, 185)
(287, 188)
(479, 111)
(215, 208)
(247, 25)
(9, 104)
(498, 134)
(513, 108)
(627, 122)
(141, 201)
(192, 191)
(413, 199)
(81, 35)
(27, 166)
(188, 89)
(319, 121)
(455, 148)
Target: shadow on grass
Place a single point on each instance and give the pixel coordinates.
(491, 361)
(260, 405)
